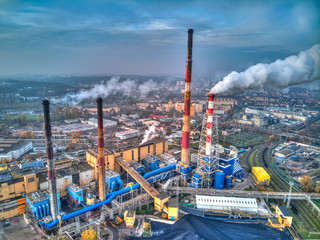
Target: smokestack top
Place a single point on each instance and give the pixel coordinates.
(211, 96)
(45, 102)
(190, 30)
(99, 99)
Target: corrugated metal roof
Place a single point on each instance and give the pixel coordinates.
(226, 201)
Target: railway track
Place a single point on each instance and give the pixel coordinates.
(310, 222)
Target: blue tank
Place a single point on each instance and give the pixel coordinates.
(219, 180)
(228, 181)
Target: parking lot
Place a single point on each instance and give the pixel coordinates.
(18, 230)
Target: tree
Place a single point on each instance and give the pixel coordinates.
(306, 184)
(317, 190)
(27, 135)
(75, 135)
(40, 118)
(22, 119)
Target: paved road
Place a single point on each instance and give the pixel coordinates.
(3, 236)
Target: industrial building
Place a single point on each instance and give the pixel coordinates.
(283, 218)
(106, 123)
(133, 153)
(248, 205)
(260, 176)
(128, 134)
(129, 218)
(12, 149)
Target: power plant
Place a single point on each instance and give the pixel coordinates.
(117, 177)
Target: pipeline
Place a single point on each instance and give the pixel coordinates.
(109, 198)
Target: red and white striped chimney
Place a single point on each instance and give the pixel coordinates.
(209, 124)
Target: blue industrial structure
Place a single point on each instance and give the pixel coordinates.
(113, 181)
(219, 179)
(151, 163)
(156, 175)
(138, 167)
(228, 181)
(39, 203)
(36, 164)
(75, 193)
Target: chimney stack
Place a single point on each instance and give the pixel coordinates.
(51, 169)
(101, 162)
(185, 151)
(209, 124)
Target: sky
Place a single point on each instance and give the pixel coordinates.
(150, 37)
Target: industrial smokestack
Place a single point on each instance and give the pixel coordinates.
(101, 162)
(209, 124)
(51, 169)
(185, 151)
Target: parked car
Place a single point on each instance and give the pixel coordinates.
(7, 224)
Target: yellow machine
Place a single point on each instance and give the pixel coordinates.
(260, 176)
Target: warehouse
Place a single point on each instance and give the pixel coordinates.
(248, 205)
(13, 149)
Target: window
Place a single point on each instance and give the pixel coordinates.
(30, 179)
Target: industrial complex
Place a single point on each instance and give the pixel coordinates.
(112, 183)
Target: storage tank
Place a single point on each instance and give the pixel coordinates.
(219, 180)
(228, 181)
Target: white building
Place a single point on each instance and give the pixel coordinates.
(106, 123)
(128, 134)
(227, 203)
(11, 149)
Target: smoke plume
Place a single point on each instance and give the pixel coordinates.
(151, 133)
(114, 85)
(293, 70)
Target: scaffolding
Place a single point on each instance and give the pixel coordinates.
(207, 164)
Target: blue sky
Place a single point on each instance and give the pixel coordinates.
(150, 37)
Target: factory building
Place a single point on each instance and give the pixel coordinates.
(173, 209)
(248, 205)
(134, 153)
(260, 176)
(128, 134)
(16, 181)
(80, 174)
(11, 149)
(75, 194)
(106, 123)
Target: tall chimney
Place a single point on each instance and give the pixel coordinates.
(185, 151)
(209, 124)
(51, 170)
(101, 162)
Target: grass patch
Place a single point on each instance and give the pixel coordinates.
(146, 210)
(250, 188)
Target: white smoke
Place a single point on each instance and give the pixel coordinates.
(293, 70)
(151, 133)
(114, 85)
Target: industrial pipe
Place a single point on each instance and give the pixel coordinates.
(51, 169)
(101, 162)
(209, 124)
(185, 151)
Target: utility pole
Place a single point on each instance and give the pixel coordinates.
(289, 197)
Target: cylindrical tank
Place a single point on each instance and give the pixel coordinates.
(219, 180)
(228, 181)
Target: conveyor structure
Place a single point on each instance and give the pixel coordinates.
(143, 182)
